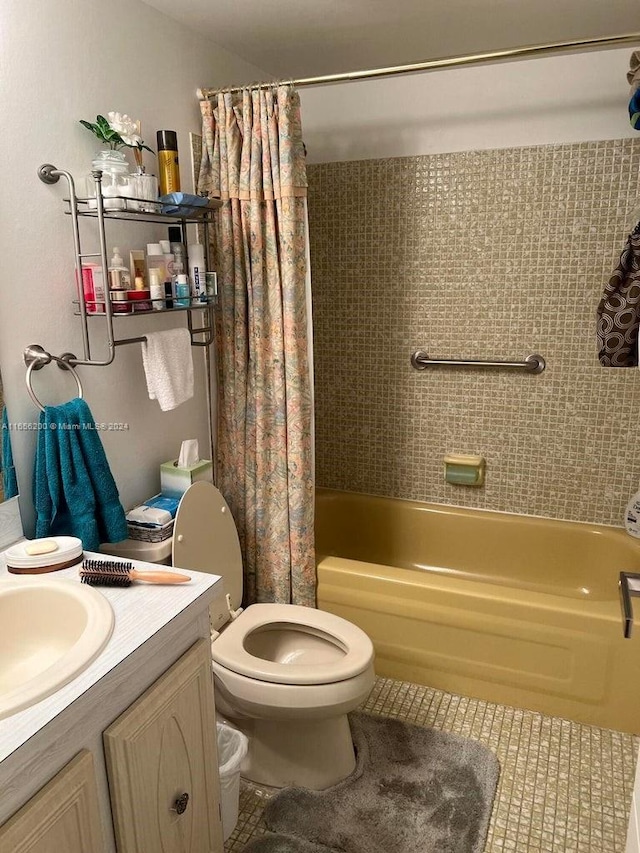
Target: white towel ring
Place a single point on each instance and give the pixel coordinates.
(35, 357)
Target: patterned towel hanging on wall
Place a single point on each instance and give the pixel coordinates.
(619, 309)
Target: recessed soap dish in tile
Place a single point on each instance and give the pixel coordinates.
(461, 469)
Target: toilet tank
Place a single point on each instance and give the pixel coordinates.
(134, 549)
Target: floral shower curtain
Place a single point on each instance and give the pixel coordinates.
(253, 159)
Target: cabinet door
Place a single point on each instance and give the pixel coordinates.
(161, 749)
(63, 816)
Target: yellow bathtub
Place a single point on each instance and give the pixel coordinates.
(507, 608)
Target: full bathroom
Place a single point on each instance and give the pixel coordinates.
(319, 509)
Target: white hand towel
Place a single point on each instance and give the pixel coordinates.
(168, 366)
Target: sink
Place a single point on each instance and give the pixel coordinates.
(50, 631)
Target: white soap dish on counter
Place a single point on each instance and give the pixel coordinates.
(39, 556)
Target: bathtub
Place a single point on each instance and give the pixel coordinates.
(506, 608)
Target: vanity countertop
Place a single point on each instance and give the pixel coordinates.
(140, 610)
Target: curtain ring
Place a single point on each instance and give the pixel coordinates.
(36, 358)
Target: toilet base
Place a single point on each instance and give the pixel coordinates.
(315, 754)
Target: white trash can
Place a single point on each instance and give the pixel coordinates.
(232, 748)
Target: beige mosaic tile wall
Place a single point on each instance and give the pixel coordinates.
(478, 254)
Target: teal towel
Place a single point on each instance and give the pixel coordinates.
(74, 492)
(634, 110)
(9, 480)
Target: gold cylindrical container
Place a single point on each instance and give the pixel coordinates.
(168, 166)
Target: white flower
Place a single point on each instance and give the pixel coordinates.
(125, 126)
(133, 141)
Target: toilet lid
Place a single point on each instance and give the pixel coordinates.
(205, 538)
(228, 650)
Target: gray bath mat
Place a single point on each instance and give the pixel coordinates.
(414, 790)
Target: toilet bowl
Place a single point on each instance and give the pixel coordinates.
(285, 675)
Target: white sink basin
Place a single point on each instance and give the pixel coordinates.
(50, 630)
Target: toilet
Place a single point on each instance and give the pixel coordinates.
(287, 676)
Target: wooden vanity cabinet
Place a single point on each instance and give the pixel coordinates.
(64, 816)
(162, 771)
(162, 764)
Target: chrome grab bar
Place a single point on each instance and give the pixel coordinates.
(533, 363)
(629, 585)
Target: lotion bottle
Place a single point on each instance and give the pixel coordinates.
(197, 271)
(182, 291)
(119, 276)
(156, 289)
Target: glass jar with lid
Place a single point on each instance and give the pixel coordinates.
(116, 182)
(145, 188)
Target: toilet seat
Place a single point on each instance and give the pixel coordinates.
(355, 647)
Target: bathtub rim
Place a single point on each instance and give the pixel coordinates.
(449, 509)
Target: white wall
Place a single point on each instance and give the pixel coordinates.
(571, 98)
(65, 60)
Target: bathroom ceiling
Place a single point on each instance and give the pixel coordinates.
(299, 38)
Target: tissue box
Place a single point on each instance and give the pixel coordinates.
(175, 481)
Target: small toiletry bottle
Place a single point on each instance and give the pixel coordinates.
(182, 290)
(140, 296)
(137, 264)
(120, 303)
(168, 256)
(177, 249)
(178, 252)
(165, 245)
(93, 288)
(179, 261)
(119, 278)
(169, 292)
(119, 281)
(156, 289)
(168, 167)
(156, 260)
(175, 236)
(197, 271)
(211, 279)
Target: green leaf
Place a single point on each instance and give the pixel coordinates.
(95, 129)
(103, 124)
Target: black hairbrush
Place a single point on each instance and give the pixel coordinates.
(112, 573)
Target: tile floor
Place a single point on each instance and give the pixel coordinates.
(564, 787)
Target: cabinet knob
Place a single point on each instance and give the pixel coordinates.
(180, 537)
(181, 803)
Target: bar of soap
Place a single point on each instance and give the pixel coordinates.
(41, 546)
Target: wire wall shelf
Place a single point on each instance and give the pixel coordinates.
(99, 312)
(129, 209)
(103, 209)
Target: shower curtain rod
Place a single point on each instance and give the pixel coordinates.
(447, 62)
